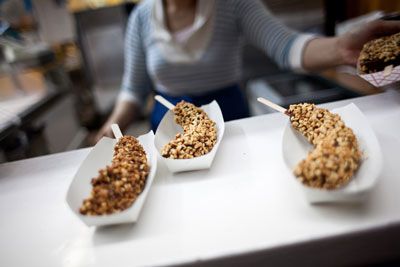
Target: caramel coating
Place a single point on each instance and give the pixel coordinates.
(336, 156)
(117, 186)
(199, 136)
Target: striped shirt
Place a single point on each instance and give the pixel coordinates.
(220, 65)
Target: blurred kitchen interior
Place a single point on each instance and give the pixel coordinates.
(61, 64)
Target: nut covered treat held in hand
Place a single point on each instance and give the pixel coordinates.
(336, 156)
(379, 53)
(117, 186)
(199, 136)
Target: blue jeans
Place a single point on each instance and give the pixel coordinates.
(230, 99)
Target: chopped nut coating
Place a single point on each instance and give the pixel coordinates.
(118, 185)
(336, 156)
(379, 53)
(199, 136)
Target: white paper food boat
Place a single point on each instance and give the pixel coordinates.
(100, 156)
(295, 148)
(167, 130)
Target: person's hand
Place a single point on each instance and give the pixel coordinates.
(105, 130)
(349, 45)
(123, 114)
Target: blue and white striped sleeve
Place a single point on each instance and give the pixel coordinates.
(264, 31)
(135, 82)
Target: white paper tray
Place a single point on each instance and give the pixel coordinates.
(295, 148)
(377, 79)
(168, 129)
(100, 156)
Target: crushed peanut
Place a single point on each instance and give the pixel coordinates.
(199, 133)
(380, 52)
(117, 186)
(336, 156)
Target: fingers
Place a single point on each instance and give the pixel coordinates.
(91, 139)
(384, 27)
(98, 136)
(104, 131)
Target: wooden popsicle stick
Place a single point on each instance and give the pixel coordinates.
(116, 131)
(164, 101)
(272, 105)
(387, 71)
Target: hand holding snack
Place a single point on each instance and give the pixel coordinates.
(351, 43)
(379, 53)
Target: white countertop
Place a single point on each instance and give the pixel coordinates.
(246, 203)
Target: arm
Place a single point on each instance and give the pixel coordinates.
(264, 31)
(135, 82)
(123, 114)
(326, 52)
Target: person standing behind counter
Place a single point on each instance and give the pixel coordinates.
(191, 50)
